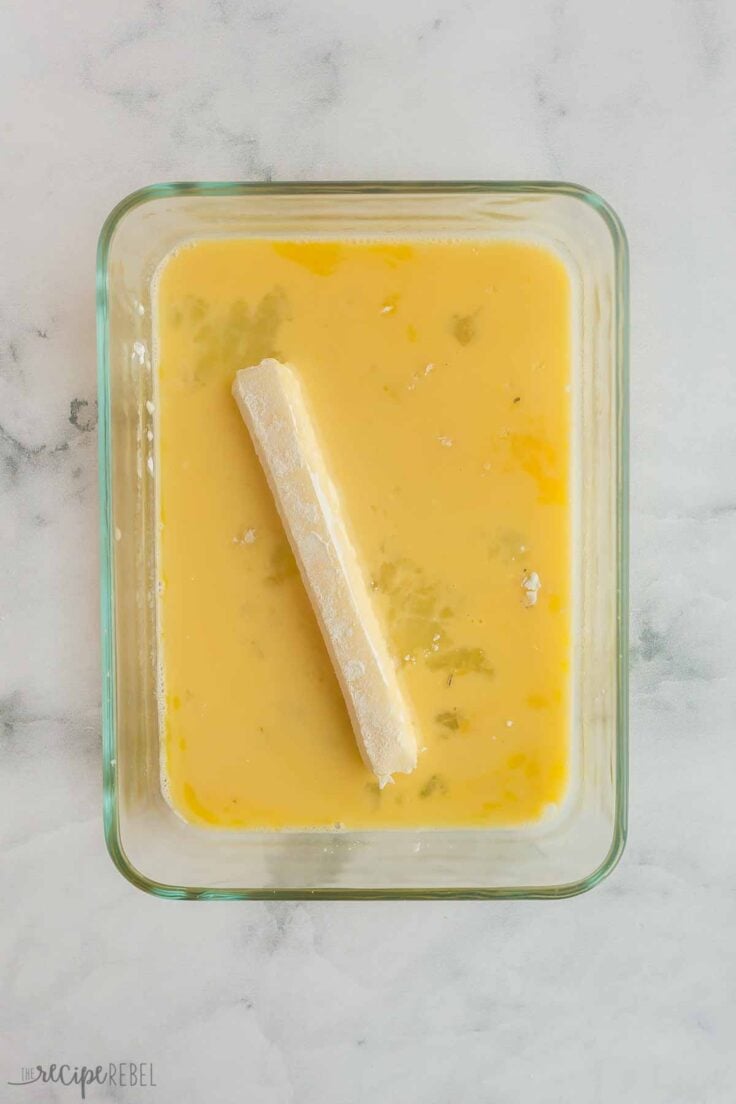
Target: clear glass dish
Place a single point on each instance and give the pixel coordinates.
(153, 847)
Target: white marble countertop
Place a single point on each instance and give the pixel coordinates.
(628, 993)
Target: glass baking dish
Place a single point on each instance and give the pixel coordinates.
(149, 843)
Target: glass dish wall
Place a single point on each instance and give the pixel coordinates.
(153, 847)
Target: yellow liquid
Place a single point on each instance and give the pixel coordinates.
(437, 375)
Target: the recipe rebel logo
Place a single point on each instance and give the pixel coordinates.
(122, 1075)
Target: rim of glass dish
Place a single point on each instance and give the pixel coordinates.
(107, 592)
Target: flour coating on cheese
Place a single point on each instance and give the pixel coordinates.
(271, 402)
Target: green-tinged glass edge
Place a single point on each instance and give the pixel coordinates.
(107, 584)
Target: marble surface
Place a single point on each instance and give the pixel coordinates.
(627, 993)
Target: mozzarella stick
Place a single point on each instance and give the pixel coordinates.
(271, 402)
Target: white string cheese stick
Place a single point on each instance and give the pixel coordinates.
(272, 405)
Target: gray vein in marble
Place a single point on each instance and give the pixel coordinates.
(711, 38)
(152, 20)
(17, 451)
(136, 95)
(548, 78)
(9, 715)
(15, 454)
(330, 67)
(224, 10)
(15, 715)
(15, 344)
(727, 509)
(246, 150)
(266, 14)
(83, 414)
(132, 97)
(200, 123)
(430, 29)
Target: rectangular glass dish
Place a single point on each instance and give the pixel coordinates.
(153, 847)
